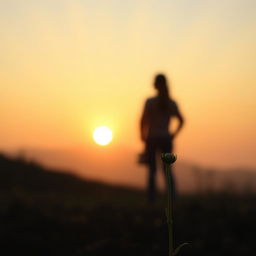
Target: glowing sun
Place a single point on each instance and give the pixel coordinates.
(102, 135)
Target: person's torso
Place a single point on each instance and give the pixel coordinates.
(159, 118)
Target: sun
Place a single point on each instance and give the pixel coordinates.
(102, 135)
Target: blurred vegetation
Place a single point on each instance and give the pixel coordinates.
(43, 212)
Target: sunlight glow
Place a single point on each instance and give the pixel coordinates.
(102, 135)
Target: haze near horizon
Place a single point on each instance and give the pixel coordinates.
(70, 66)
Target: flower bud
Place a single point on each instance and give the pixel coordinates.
(168, 158)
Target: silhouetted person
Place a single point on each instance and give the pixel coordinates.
(154, 128)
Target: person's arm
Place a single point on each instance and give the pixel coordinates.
(180, 118)
(144, 123)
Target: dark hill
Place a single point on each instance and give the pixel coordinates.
(43, 212)
(18, 174)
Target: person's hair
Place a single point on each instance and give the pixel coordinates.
(161, 86)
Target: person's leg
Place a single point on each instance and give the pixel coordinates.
(151, 151)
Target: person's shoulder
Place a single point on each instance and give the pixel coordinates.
(150, 100)
(173, 107)
(173, 102)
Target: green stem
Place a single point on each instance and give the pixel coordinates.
(169, 159)
(169, 207)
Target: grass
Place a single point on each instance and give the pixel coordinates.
(47, 213)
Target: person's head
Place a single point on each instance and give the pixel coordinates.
(161, 85)
(160, 81)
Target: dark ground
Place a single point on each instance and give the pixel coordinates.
(48, 213)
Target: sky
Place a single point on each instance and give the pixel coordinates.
(67, 67)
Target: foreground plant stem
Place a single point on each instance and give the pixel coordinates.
(169, 159)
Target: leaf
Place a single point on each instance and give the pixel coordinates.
(176, 251)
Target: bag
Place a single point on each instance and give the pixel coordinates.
(143, 158)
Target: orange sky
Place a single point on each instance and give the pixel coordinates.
(69, 66)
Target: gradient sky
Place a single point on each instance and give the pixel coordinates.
(68, 66)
